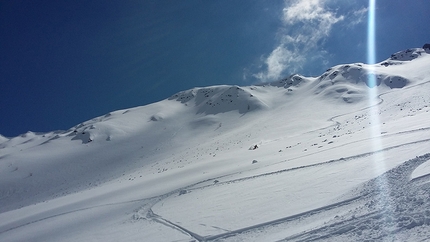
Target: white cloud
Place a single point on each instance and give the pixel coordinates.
(306, 24)
(308, 10)
(358, 16)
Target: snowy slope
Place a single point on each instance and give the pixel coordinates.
(331, 158)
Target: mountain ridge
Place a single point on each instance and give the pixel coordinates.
(229, 162)
(216, 99)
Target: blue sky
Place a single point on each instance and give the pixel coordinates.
(62, 63)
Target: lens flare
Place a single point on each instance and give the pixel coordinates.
(379, 165)
(371, 33)
(372, 83)
(371, 79)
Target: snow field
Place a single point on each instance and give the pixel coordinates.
(293, 160)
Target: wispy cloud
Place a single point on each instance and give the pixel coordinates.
(357, 16)
(305, 26)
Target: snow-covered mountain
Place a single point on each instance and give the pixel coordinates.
(344, 156)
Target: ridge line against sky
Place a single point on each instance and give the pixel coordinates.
(62, 64)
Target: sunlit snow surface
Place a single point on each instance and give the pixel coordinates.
(293, 160)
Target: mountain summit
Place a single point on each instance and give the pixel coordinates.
(343, 156)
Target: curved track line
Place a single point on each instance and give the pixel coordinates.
(381, 100)
(282, 220)
(228, 234)
(231, 233)
(314, 165)
(398, 181)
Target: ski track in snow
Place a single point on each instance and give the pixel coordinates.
(327, 232)
(343, 229)
(339, 228)
(405, 172)
(336, 228)
(390, 206)
(384, 209)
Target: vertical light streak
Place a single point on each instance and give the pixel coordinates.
(382, 198)
(372, 83)
(371, 33)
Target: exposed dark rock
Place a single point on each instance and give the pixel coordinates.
(426, 47)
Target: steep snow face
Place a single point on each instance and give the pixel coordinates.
(407, 55)
(343, 82)
(221, 99)
(291, 160)
(291, 81)
(349, 83)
